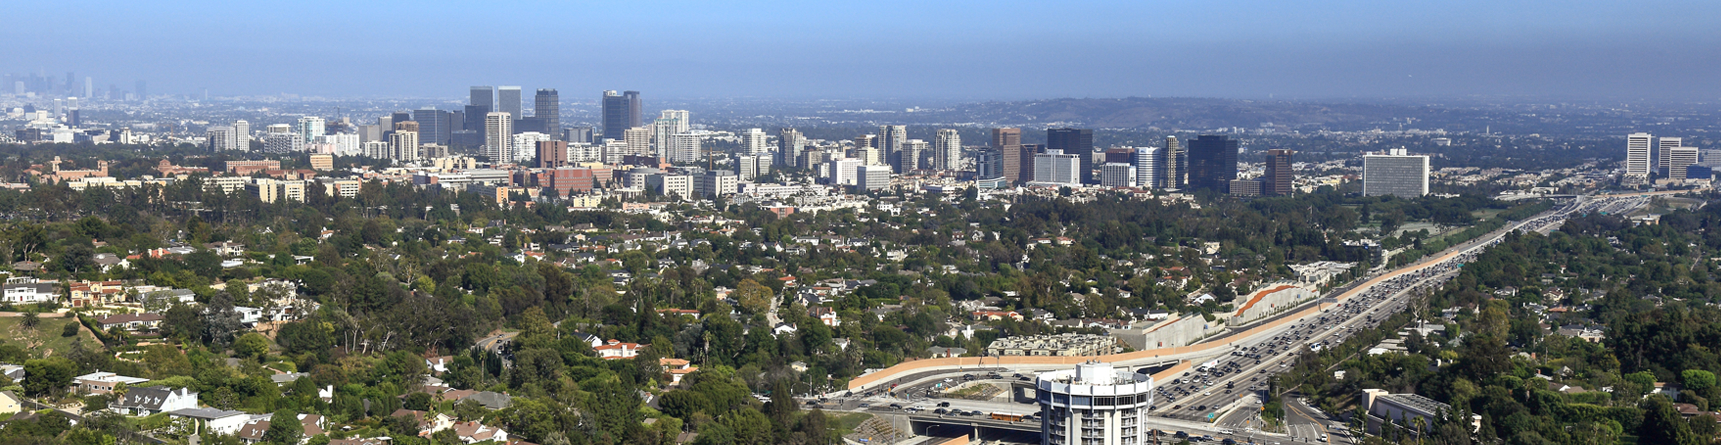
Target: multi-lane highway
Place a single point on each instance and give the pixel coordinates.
(1229, 372)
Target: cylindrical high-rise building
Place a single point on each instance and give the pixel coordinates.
(1094, 405)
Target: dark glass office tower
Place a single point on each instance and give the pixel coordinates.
(547, 108)
(1277, 180)
(485, 97)
(1074, 141)
(1212, 162)
(432, 126)
(621, 112)
(508, 101)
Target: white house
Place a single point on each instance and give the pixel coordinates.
(26, 293)
(615, 349)
(213, 420)
(144, 401)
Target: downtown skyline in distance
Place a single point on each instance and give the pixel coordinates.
(889, 49)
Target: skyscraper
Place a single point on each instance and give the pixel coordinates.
(1678, 158)
(1176, 165)
(552, 154)
(310, 127)
(1637, 155)
(947, 148)
(788, 146)
(638, 141)
(1277, 180)
(404, 142)
(1395, 172)
(1074, 141)
(890, 141)
(620, 112)
(547, 107)
(1055, 167)
(508, 101)
(754, 142)
(914, 155)
(668, 124)
(142, 92)
(483, 96)
(1008, 143)
(89, 87)
(1212, 162)
(684, 148)
(499, 137)
(1150, 167)
(989, 165)
(242, 135)
(1663, 150)
(432, 125)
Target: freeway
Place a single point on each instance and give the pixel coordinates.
(1240, 363)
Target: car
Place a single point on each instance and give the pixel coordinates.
(943, 404)
(1177, 407)
(896, 405)
(864, 405)
(1201, 408)
(940, 411)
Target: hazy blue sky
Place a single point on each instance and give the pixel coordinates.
(926, 48)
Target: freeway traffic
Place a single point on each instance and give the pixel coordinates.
(1232, 373)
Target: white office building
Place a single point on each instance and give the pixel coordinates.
(1094, 404)
(1678, 158)
(1664, 152)
(684, 147)
(499, 137)
(872, 177)
(1056, 168)
(1395, 173)
(843, 171)
(1637, 154)
(1149, 167)
(1117, 174)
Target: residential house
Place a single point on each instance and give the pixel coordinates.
(825, 315)
(997, 315)
(226, 248)
(943, 352)
(103, 382)
(109, 262)
(130, 322)
(149, 400)
(10, 403)
(615, 349)
(677, 368)
(27, 293)
(310, 424)
(427, 423)
(474, 432)
(213, 420)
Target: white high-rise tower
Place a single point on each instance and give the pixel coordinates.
(1637, 154)
(753, 142)
(947, 148)
(1663, 150)
(498, 137)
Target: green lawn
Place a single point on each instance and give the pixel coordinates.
(846, 423)
(45, 339)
